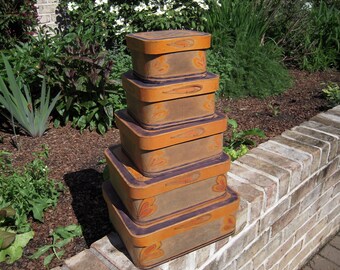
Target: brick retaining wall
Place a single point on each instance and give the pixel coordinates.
(289, 188)
(47, 12)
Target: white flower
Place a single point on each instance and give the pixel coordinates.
(159, 12)
(72, 6)
(120, 21)
(201, 4)
(141, 7)
(179, 8)
(114, 9)
(307, 6)
(100, 2)
(218, 3)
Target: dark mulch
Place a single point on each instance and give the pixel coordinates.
(75, 158)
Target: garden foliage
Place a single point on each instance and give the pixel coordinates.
(25, 192)
(86, 56)
(237, 144)
(31, 116)
(18, 20)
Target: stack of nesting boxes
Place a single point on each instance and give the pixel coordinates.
(168, 190)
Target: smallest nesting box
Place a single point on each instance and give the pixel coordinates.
(168, 55)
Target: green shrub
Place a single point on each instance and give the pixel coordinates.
(86, 74)
(110, 21)
(31, 116)
(308, 31)
(250, 64)
(332, 93)
(61, 236)
(24, 192)
(321, 40)
(18, 19)
(237, 145)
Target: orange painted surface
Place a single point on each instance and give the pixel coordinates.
(170, 228)
(142, 191)
(151, 140)
(147, 92)
(168, 41)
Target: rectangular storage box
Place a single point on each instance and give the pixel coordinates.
(147, 199)
(156, 106)
(153, 244)
(171, 54)
(159, 151)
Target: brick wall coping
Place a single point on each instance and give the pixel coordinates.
(289, 188)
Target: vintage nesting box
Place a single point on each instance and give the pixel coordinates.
(159, 151)
(167, 55)
(147, 199)
(156, 106)
(168, 192)
(152, 244)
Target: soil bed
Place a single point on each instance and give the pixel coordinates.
(75, 159)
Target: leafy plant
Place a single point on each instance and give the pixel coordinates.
(61, 236)
(274, 109)
(332, 93)
(110, 21)
(237, 145)
(17, 21)
(90, 95)
(27, 191)
(15, 250)
(250, 64)
(32, 117)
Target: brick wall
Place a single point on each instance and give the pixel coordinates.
(47, 12)
(289, 188)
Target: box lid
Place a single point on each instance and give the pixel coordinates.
(144, 235)
(137, 186)
(156, 139)
(168, 41)
(150, 92)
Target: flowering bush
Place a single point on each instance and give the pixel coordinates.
(111, 21)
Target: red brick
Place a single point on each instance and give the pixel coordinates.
(331, 139)
(314, 152)
(250, 194)
(304, 159)
(85, 260)
(271, 216)
(323, 146)
(305, 188)
(294, 168)
(290, 255)
(285, 219)
(262, 255)
(280, 252)
(258, 181)
(271, 171)
(252, 249)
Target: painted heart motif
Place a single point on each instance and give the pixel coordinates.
(159, 112)
(229, 223)
(147, 208)
(221, 184)
(210, 103)
(157, 161)
(160, 65)
(151, 253)
(199, 61)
